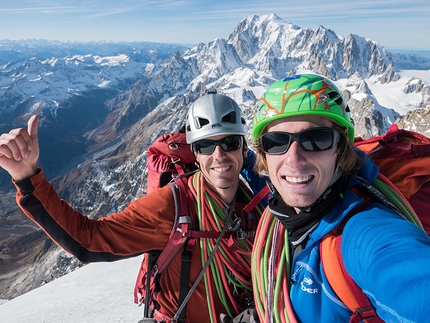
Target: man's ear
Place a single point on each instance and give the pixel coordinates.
(196, 158)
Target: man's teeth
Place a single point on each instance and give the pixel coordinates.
(222, 169)
(301, 179)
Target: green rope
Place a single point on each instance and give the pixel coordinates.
(211, 217)
(398, 201)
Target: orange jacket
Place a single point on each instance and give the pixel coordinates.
(143, 226)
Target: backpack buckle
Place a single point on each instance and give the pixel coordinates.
(185, 219)
(240, 234)
(363, 313)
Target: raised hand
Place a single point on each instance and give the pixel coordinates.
(19, 150)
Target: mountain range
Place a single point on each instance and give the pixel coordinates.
(102, 104)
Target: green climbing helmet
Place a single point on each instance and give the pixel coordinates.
(306, 94)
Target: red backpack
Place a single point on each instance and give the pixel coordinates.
(169, 156)
(403, 158)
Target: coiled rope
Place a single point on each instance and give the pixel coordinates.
(271, 271)
(229, 272)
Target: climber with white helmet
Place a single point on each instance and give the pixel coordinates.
(221, 253)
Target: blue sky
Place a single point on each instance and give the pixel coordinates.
(394, 24)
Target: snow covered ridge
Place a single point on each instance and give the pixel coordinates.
(101, 105)
(54, 80)
(96, 293)
(46, 74)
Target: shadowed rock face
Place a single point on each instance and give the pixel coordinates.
(28, 261)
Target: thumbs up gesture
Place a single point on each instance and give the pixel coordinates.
(19, 150)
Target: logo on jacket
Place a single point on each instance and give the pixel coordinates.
(306, 286)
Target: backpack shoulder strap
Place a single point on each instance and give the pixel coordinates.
(179, 240)
(262, 194)
(337, 275)
(184, 219)
(342, 283)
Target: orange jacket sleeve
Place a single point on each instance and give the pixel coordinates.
(144, 225)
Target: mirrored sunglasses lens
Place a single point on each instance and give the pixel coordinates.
(231, 143)
(275, 143)
(205, 147)
(316, 139)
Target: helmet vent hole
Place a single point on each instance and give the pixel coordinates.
(231, 117)
(202, 122)
(336, 97)
(211, 91)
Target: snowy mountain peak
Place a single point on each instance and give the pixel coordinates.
(102, 107)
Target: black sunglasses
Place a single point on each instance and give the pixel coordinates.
(313, 139)
(207, 147)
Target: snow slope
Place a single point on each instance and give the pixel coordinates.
(98, 292)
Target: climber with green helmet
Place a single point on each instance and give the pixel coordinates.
(218, 284)
(303, 133)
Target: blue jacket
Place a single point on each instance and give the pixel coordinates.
(388, 257)
(255, 181)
